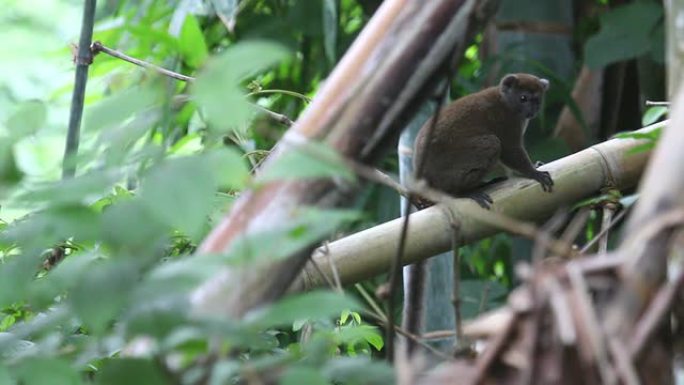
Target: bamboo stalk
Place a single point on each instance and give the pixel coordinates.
(368, 253)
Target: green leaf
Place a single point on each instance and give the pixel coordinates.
(313, 305)
(311, 160)
(375, 340)
(304, 227)
(16, 275)
(53, 225)
(42, 292)
(358, 333)
(73, 190)
(230, 168)
(191, 43)
(156, 320)
(12, 347)
(359, 371)
(625, 33)
(120, 106)
(27, 119)
(5, 378)
(129, 371)
(217, 88)
(9, 173)
(180, 191)
(330, 22)
(299, 375)
(129, 226)
(47, 371)
(119, 140)
(101, 294)
(653, 114)
(642, 148)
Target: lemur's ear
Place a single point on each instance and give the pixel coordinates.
(509, 81)
(544, 83)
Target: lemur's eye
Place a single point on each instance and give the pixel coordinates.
(523, 98)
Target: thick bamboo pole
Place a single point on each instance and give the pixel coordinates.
(369, 253)
(391, 69)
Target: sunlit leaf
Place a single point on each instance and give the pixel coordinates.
(653, 114)
(358, 333)
(192, 46)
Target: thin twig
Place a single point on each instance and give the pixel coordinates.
(336, 274)
(83, 60)
(603, 232)
(412, 321)
(654, 103)
(280, 118)
(544, 236)
(623, 362)
(609, 209)
(456, 284)
(327, 279)
(589, 318)
(655, 226)
(369, 300)
(410, 336)
(654, 315)
(99, 47)
(284, 92)
(576, 225)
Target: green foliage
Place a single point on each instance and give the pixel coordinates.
(96, 274)
(650, 139)
(627, 31)
(217, 88)
(311, 160)
(653, 114)
(191, 43)
(161, 161)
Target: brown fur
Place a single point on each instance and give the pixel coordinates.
(476, 131)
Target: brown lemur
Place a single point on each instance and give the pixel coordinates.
(475, 132)
(470, 137)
